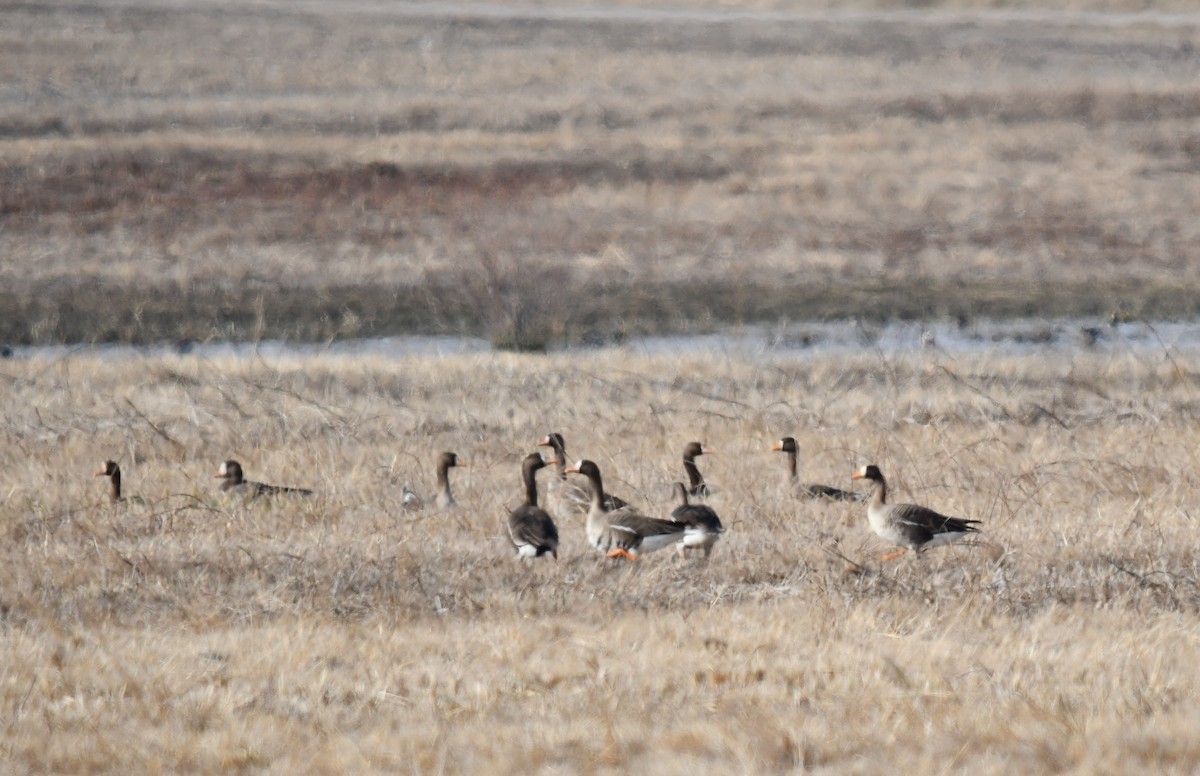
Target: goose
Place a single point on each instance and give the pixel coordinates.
(788, 445)
(232, 480)
(696, 484)
(530, 528)
(567, 499)
(411, 502)
(113, 472)
(624, 532)
(703, 527)
(909, 526)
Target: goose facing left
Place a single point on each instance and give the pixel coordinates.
(113, 472)
(567, 499)
(909, 526)
(233, 481)
(624, 532)
(788, 446)
(530, 528)
(696, 485)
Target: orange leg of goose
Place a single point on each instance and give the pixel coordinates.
(621, 552)
(893, 555)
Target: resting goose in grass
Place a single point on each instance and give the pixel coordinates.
(909, 526)
(624, 532)
(233, 481)
(445, 462)
(530, 528)
(113, 472)
(804, 490)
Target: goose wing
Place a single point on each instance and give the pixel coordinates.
(830, 493)
(530, 526)
(645, 533)
(922, 525)
(261, 489)
(697, 515)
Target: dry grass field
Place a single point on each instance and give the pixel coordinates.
(310, 170)
(313, 170)
(339, 634)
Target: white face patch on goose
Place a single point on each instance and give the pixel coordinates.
(223, 470)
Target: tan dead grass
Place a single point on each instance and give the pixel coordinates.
(339, 634)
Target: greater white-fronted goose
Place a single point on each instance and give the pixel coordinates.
(445, 462)
(788, 445)
(113, 472)
(696, 484)
(909, 526)
(530, 528)
(703, 526)
(233, 481)
(567, 499)
(624, 532)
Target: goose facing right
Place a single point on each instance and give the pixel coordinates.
(530, 528)
(909, 526)
(624, 532)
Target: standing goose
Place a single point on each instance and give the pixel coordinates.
(703, 527)
(788, 445)
(445, 462)
(909, 526)
(530, 528)
(696, 485)
(567, 499)
(624, 532)
(113, 472)
(233, 481)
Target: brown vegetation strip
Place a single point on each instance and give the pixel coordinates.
(194, 177)
(588, 312)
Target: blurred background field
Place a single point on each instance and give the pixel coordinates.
(537, 174)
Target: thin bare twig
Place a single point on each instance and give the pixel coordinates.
(178, 445)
